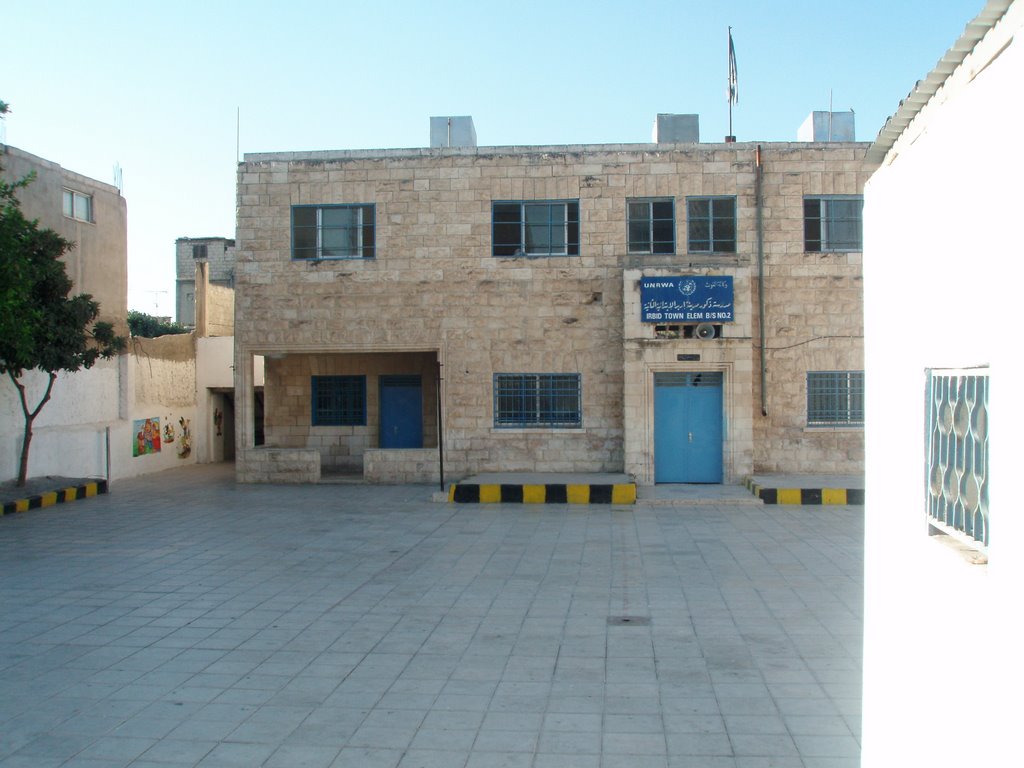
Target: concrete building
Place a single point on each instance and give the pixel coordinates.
(680, 311)
(944, 557)
(217, 253)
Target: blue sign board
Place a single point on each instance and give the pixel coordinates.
(688, 299)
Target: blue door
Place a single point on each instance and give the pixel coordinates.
(688, 427)
(401, 412)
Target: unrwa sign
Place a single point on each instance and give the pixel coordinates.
(686, 299)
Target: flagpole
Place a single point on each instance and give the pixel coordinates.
(729, 90)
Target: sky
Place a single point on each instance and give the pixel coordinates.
(175, 93)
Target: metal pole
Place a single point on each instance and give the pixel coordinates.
(440, 427)
(758, 172)
(108, 454)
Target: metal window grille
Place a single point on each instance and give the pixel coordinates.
(339, 401)
(833, 223)
(199, 252)
(333, 232)
(651, 226)
(835, 398)
(711, 224)
(537, 400)
(956, 454)
(543, 228)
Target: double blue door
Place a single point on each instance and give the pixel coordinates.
(688, 427)
(401, 412)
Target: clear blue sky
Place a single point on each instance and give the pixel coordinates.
(156, 88)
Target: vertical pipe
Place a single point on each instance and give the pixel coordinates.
(108, 454)
(758, 194)
(440, 427)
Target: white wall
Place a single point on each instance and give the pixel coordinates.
(943, 262)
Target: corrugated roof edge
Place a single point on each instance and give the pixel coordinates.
(923, 90)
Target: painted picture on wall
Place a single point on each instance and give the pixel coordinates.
(147, 436)
(185, 444)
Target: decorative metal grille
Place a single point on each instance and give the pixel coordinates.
(339, 401)
(956, 424)
(835, 398)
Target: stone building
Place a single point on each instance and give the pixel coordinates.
(217, 253)
(681, 311)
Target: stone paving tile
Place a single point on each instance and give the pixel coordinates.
(182, 621)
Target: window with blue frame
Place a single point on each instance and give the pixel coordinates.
(333, 232)
(711, 224)
(833, 223)
(540, 228)
(537, 400)
(835, 398)
(339, 401)
(651, 225)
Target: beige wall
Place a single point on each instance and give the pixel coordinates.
(98, 264)
(434, 287)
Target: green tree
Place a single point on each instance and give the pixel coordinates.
(41, 326)
(147, 326)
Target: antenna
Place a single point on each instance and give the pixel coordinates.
(238, 134)
(118, 178)
(156, 299)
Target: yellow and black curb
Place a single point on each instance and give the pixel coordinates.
(51, 498)
(551, 493)
(810, 496)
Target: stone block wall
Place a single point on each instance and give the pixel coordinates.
(435, 288)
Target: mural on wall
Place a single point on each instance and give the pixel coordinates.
(147, 436)
(218, 420)
(168, 431)
(185, 444)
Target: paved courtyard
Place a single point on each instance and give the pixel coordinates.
(185, 621)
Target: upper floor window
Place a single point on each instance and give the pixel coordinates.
(339, 401)
(549, 228)
(711, 224)
(199, 251)
(537, 400)
(833, 223)
(835, 398)
(77, 205)
(651, 226)
(333, 232)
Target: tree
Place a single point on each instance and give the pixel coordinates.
(41, 326)
(147, 326)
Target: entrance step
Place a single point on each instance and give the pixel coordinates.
(808, 489)
(543, 488)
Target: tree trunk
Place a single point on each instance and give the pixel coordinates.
(30, 417)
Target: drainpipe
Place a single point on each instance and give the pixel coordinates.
(440, 427)
(758, 173)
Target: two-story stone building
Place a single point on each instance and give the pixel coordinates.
(680, 311)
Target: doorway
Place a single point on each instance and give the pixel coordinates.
(688, 427)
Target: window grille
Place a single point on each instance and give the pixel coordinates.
(651, 226)
(835, 398)
(537, 400)
(339, 401)
(711, 224)
(956, 450)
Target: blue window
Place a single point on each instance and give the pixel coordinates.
(333, 232)
(833, 223)
(339, 401)
(651, 226)
(544, 228)
(835, 398)
(711, 224)
(537, 400)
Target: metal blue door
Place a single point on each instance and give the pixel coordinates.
(401, 412)
(688, 427)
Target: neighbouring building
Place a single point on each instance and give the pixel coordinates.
(128, 416)
(681, 311)
(944, 559)
(217, 253)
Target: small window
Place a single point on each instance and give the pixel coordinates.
(835, 398)
(833, 223)
(77, 205)
(549, 228)
(339, 401)
(711, 224)
(537, 400)
(333, 232)
(651, 226)
(199, 252)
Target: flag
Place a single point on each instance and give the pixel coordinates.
(734, 93)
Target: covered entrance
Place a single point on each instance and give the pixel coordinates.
(688, 427)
